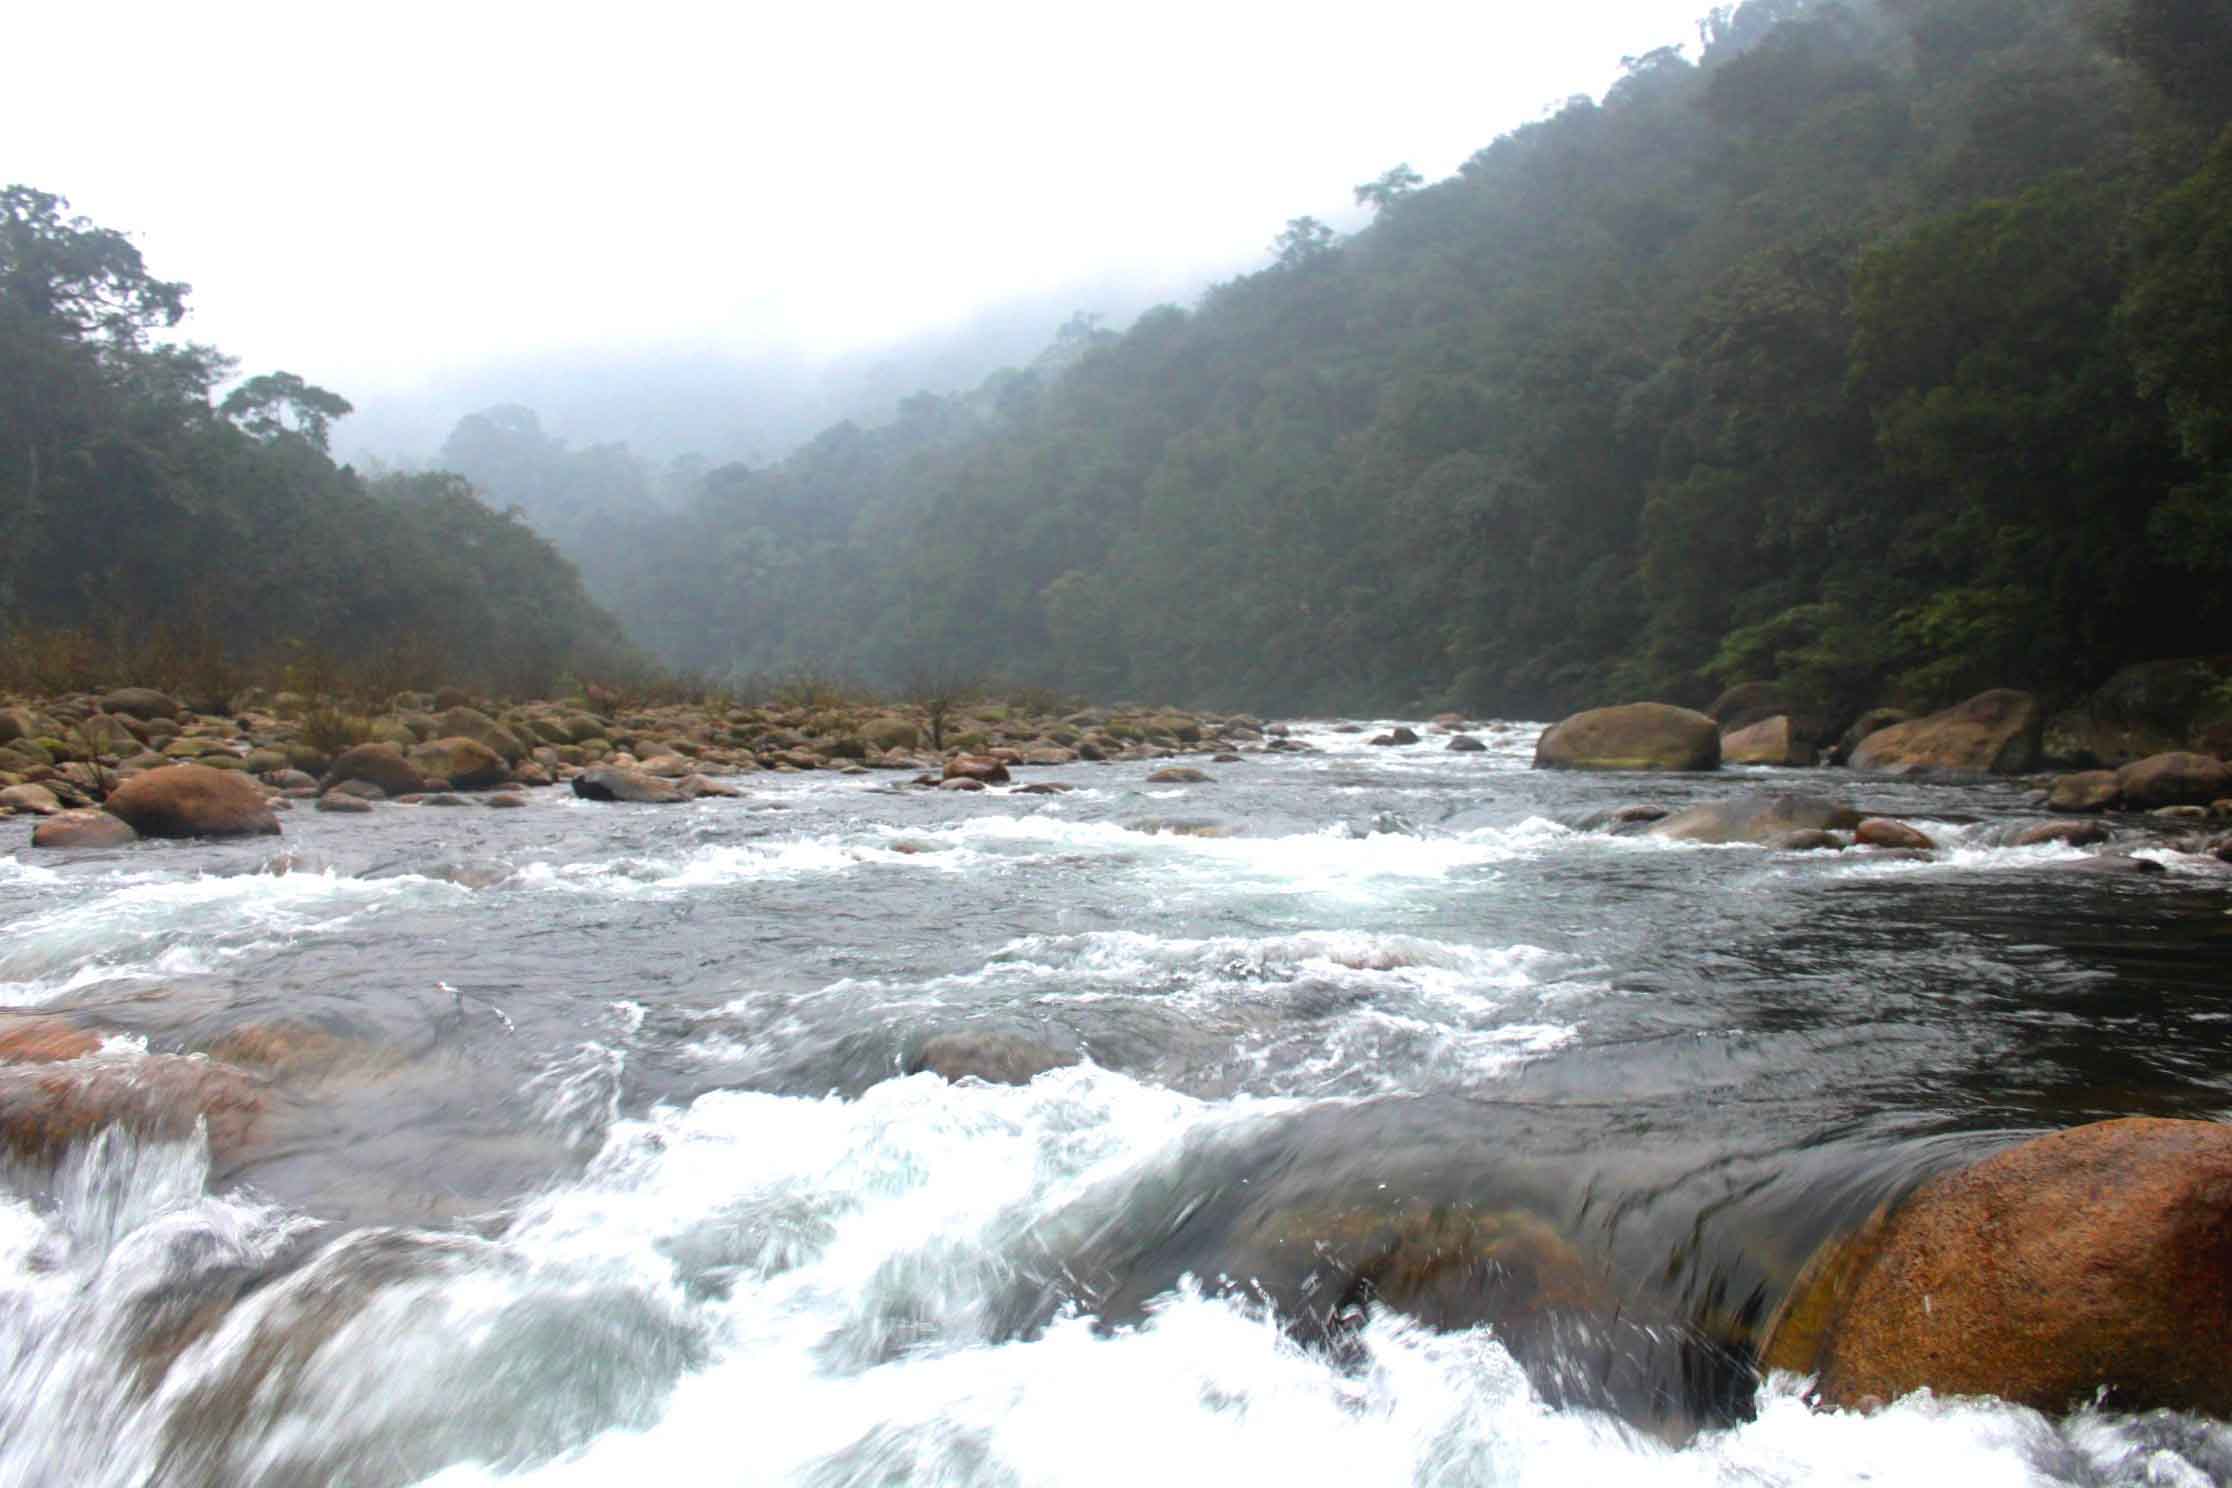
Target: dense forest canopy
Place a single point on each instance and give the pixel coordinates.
(1881, 349)
(136, 504)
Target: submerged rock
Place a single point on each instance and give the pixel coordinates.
(2095, 1259)
(1636, 736)
(1766, 819)
(2068, 833)
(995, 1058)
(1177, 775)
(611, 783)
(193, 801)
(44, 1109)
(42, 1038)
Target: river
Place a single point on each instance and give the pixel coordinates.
(589, 1157)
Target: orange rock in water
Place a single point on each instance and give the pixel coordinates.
(42, 1039)
(47, 1108)
(2098, 1258)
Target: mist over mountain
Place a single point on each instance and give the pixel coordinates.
(742, 405)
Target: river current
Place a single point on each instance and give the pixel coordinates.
(602, 1165)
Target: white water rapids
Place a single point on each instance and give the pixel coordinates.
(694, 1226)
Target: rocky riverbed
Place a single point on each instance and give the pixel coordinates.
(1346, 1100)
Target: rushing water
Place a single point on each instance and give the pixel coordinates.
(603, 1167)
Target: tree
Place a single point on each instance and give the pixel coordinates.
(1306, 241)
(1391, 187)
(273, 404)
(65, 277)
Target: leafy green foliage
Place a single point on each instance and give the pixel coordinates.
(187, 540)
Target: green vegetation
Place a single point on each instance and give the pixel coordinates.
(148, 534)
(1882, 350)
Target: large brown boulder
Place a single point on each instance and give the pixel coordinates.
(380, 764)
(193, 801)
(1764, 819)
(2098, 1258)
(1780, 740)
(1992, 733)
(460, 763)
(1635, 736)
(2175, 779)
(1874, 721)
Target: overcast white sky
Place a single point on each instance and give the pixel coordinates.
(370, 195)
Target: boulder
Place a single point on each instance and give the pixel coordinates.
(140, 702)
(1177, 775)
(1874, 721)
(1748, 703)
(1636, 736)
(1992, 733)
(193, 801)
(2087, 790)
(1764, 818)
(1466, 744)
(1880, 831)
(1394, 738)
(2175, 779)
(995, 1058)
(108, 733)
(42, 1038)
(2067, 833)
(83, 829)
(471, 723)
(460, 763)
(1620, 820)
(611, 783)
(343, 803)
(47, 1108)
(381, 764)
(35, 799)
(1807, 839)
(2095, 1259)
(1779, 740)
(24, 723)
(981, 768)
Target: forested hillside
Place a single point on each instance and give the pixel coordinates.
(142, 516)
(1885, 349)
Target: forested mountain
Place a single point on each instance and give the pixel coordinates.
(136, 505)
(1885, 349)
